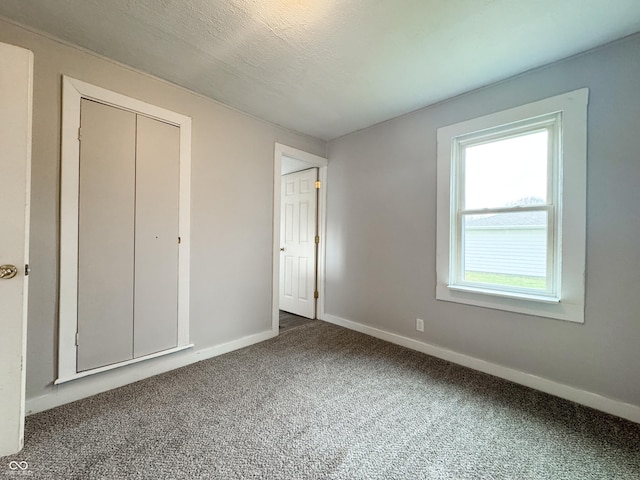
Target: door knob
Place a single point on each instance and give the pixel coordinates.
(8, 271)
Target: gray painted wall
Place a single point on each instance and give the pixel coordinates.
(232, 197)
(382, 219)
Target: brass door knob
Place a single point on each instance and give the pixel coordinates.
(8, 271)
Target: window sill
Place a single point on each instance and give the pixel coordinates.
(498, 293)
(571, 311)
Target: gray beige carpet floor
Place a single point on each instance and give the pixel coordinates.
(322, 402)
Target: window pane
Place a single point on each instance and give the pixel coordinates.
(507, 172)
(506, 249)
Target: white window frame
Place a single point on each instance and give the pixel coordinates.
(550, 123)
(73, 91)
(566, 116)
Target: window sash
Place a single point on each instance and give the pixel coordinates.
(553, 124)
(457, 267)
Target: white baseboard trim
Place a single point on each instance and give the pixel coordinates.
(102, 382)
(583, 397)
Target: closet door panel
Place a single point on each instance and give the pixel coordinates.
(106, 235)
(156, 237)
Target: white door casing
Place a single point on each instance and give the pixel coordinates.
(298, 220)
(282, 155)
(16, 87)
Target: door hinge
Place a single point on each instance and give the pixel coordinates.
(317, 239)
(318, 184)
(79, 134)
(179, 240)
(77, 339)
(315, 294)
(27, 269)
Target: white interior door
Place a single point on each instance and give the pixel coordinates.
(16, 84)
(298, 222)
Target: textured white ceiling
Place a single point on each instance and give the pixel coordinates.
(329, 67)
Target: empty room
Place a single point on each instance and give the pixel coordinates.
(320, 239)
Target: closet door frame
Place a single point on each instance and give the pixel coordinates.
(73, 91)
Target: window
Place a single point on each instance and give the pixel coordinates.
(511, 209)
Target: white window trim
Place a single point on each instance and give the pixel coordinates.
(73, 91)
(572, 228)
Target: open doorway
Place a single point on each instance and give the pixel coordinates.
(287, 161)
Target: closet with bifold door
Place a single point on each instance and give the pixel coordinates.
(127, 236)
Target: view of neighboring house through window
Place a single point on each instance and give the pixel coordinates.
(511, 209)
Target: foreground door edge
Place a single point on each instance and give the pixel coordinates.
(16, 90)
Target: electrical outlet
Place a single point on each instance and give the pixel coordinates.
(419, 324)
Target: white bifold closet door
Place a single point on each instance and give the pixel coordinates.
(156, 249)
(127, 237)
